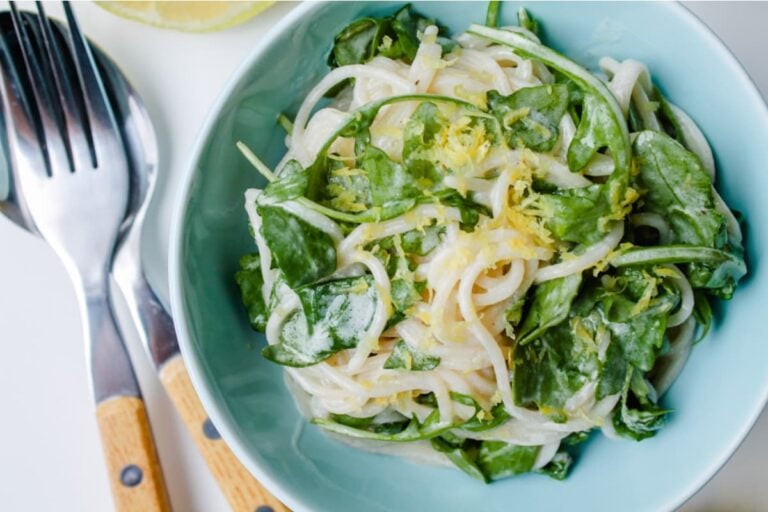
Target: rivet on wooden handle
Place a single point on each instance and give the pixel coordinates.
(241, 489)
(134, 470)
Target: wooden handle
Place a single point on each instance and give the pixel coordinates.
(134, 470)
(241, 489)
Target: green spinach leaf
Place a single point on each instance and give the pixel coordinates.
(551, 368)
(394, 36)
(702, 311)
(526, 21)
(551, 304)
(389, 180)
(637, 417)
(497, 459)
(352, 421)
(469, 210)
(462, 453)
(407, 431)
(302, 252)
(559, 466)
(530, 116)
(333, 316)
(596, 130)
(492, 15)
(578, 214)
(419, 137)
(678, 188)
(292, 182)
(404, 357)
(251, 284)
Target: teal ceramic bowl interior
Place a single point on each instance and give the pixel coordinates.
(716, 400)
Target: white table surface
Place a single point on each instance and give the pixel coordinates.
(50, 457)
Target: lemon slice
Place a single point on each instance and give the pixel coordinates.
(187, 16)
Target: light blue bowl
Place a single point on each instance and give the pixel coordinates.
(716, 401)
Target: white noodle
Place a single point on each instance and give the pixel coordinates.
(592, 255)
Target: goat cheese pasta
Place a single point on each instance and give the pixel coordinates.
(476, 251)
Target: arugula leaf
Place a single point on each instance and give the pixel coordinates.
(530, 116)
(494, 460)
(559, 466)
(302, 252)
(677, 187)
(596, 130)
(613, 371)
(637, 417)
(292, 183)
(411, 430)
(463, 453)
(497, 416)
(642, 256)
(469, 210)
(342, 308)
(668, 118)
(419, 137)
(404, 357)
(333, 316)
(482, 420)
(356, 43)
(492, 15)
(702, 312)
(389, 180)
(642, 336)
(394, 36)
(405, 293)
(551, 304)
(576, 214)
(352, 421)
(526, 21)
(251, 282)
(512, 316)
(396, 256)
(407, 24)
(576, 438)
(422, 241)
(497, 459)
(348, 192)
(551, 368)
(631, 307)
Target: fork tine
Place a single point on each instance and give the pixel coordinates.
(77, 133)
(22, 133)
(47, 111)
(104, 132)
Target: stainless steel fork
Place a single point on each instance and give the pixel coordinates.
(72, 175)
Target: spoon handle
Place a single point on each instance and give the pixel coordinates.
(243, 492)
(156, 331)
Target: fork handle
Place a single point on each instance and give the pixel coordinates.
(243, 492)
(132, 462)
(133, 467)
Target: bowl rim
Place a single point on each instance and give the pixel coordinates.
(179, 207)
